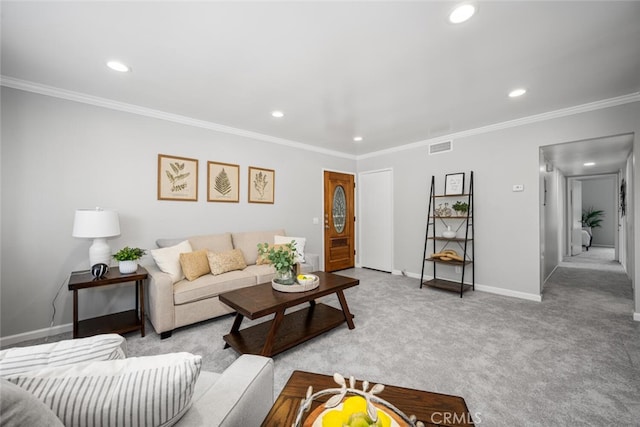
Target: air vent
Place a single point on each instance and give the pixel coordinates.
(440, 147)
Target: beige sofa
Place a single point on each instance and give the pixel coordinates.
(172, 305)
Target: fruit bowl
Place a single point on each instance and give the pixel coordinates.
(298, 287)
(306, 279)
(315, 418)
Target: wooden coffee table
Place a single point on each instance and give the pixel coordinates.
(285, 331)
(433, 409)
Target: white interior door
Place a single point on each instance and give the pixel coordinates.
(576, 217)
(375, 219)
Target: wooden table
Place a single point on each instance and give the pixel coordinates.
(433, 409)
(119, 323)
(285, 331)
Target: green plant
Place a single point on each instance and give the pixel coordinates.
(592, 217)
(282, 258)
(129, 254)
(461, 207)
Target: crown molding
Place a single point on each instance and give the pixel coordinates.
(176, 118)
(583, 108)
(157, 114)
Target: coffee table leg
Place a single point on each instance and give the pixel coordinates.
(275, 324)
(345, 309)
(235, 327)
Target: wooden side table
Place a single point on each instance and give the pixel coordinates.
(119, 323)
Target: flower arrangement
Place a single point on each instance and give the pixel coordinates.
(282, 258)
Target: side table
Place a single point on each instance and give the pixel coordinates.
(119, 323)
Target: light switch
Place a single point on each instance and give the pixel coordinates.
(518, 187)
(316, 221)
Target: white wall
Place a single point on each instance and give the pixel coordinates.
(602, 194)
(61, 155)
(507, 245)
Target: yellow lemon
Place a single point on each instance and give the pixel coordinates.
(301, 277)
(352, 405)
(332, 419)
(383, 419)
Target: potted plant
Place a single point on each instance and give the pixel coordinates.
(592, 217)
(461, 208)
(128, 259)
(282, 258)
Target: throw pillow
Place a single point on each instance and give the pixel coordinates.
(138, 391)
(98, 347)
(299, 243)
(264, 259)
(20, 408)
(168, 259)
(221, 262)
(194, 264)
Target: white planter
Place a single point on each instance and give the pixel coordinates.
(128, 267)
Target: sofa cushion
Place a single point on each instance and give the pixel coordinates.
(247, 242)
(212, 242)
(151, 390)
(195, 264)
(17, 360)
(168, 259)
(209, 286)
(222, 262)
(264, 273)
(21, 408)
(299, 243)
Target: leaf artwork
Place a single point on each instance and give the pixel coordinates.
(222, 183)
(260, 183)
(177, 176)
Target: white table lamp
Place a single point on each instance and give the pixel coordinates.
(97, 224)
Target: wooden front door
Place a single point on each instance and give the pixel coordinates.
(339, 219)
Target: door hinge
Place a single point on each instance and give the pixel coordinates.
(354, 251)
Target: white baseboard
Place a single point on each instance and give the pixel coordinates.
(509, 293)
(34, 335)
(491, 289)
(636, 317)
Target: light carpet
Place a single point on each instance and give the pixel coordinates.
(573, 359)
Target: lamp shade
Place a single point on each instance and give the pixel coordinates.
(94, 223)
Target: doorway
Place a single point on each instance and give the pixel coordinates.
(375, 220)
(339, 221)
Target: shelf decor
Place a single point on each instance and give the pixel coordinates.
(454, 184)
(177, 178)
(223, 181)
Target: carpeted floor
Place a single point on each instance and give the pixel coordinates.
(573, 359)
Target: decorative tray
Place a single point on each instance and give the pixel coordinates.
(297, 287)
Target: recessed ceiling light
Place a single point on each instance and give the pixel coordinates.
(118, 66)
(517, 92)
(357, 138)
(590, 164)
(277, 114)
(462, 13)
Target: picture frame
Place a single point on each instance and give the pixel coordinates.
(261, 185)
(223, 182)
(177, 178)
(454, 184)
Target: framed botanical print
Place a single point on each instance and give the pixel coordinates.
(261, 185)
(223, 182)
(177, 178)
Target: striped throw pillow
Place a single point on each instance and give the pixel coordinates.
(138, 391)
(99, 347)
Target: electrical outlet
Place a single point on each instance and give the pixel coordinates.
(316, 221)
(458, 269)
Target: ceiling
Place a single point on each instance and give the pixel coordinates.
(609, 155)
(393, 72)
